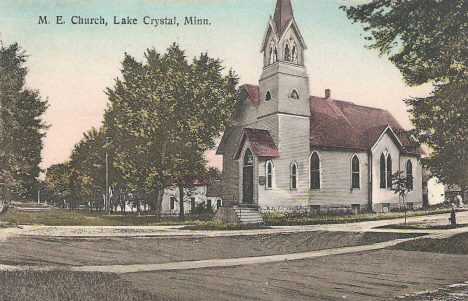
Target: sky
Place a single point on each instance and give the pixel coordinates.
(72, 65)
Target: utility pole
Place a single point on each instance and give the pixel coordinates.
(107, 183)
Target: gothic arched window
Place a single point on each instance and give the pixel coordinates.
(355, 177)
(314, 171)
(275, 56)
(294, 54)
(293, 175)
(409, 174)
(383, 178)
(287, 53)
(294, 94)
(389, 171)
(269, 174)
(273, 52)
(268, 96)
(248, 158)
(386, 170)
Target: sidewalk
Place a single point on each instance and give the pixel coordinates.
(211, 263)
(177, 231)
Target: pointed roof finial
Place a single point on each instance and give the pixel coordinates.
(283, 14)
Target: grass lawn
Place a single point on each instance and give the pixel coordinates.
(282, 219)
(65, 285)
(457, 244)
(62, 217)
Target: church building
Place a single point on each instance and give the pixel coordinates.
(285, 150)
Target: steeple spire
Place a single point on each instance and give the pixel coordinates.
(283, 14)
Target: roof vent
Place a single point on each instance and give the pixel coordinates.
(327, 93)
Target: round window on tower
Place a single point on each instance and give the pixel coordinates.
(268, 96)
(294, 95)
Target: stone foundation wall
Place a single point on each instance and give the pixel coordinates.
(334, 208)
(227, 215)
(389, 207)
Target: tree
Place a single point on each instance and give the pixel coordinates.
(400, 186)
(21, 128)
(57, 183)
(427, 41)
(164, 114)
(88, 166)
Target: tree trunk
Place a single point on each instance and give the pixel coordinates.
(158, 205)
(181, 203)
(462, 193)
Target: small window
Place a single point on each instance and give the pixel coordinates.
(192, 203)
(294, 95)
(314, 171)
(269, 175)
(172, 200)
(208, 203)
(268, 96)
(355, 172)
(409, 174)
(219, 203)
(293, 175)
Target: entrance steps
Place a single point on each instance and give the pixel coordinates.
(248, 215)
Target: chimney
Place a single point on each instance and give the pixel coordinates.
(328, 94)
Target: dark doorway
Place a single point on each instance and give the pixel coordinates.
(248, 176)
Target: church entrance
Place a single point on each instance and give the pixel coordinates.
(248, 177)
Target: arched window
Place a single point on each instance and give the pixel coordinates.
(389, 171)
(268, 96)
(287, 53)
(248, 158)
(293, 175)
(409, 174)
(383, 177)
(275, 56)
(314, 171)
(273, 52)
(355, 177)
(269, 174)
(294, 54)
(294, 94)
(386, 170)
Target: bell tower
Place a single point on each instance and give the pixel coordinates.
(284, 84)
(284, 106)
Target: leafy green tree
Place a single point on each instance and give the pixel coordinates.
(400, 186)
(164, 114)
(88, 165)
(21, 128)
(57, 186)
(427, 41)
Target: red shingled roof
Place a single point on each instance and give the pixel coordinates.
(342, 124)
(260, 142)
(253, 92)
